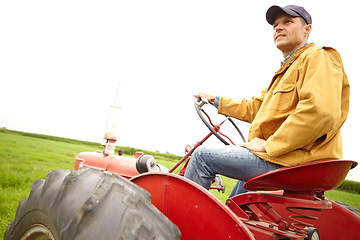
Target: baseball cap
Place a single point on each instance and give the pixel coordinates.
(292, 10)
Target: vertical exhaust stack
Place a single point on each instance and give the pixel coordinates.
(111, 126)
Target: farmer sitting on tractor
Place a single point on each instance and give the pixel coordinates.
(297, 119)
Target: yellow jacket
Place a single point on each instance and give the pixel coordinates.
(300, 114)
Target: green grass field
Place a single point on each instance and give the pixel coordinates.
(25, 158)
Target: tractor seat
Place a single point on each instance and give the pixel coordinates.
(308, 177)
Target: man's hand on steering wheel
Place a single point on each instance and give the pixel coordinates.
(200, 101)
(210, 98)
(255, 144)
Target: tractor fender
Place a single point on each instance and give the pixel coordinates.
(197, 213)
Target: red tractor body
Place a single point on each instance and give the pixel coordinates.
(285, 214)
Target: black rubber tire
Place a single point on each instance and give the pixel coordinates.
(351, 209)
(90, 204)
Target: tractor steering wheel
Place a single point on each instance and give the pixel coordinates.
(199, 103)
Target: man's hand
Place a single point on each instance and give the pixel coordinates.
(210, 98)
(255, 145)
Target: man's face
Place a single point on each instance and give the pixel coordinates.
(290, 33)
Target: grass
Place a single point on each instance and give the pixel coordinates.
(26, 157)
(351, 199)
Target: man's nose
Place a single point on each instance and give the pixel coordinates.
(278, 28)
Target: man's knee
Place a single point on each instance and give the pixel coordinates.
(199, 153)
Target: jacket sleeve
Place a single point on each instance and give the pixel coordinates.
(244, 110)
(318, 111)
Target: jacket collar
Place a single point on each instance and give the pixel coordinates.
(293, 57)
(288, 62)
(285, 59)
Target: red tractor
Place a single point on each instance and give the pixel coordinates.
(111, 196)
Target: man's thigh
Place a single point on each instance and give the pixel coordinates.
(235, 162)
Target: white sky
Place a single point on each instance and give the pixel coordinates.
(60, 62)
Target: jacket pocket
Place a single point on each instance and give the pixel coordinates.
(282, 97)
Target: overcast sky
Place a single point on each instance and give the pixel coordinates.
(61, 61)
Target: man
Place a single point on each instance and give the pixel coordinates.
(297, 119)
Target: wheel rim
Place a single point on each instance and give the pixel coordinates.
(315, 236)
(37, 232)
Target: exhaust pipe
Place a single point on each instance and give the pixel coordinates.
(111, 127)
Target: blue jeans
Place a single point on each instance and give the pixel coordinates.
(230, 161)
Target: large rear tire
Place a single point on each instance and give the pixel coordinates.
(88, 204)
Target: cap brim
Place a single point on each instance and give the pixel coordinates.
(274, 11)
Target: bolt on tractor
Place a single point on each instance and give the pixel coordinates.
(110, 196)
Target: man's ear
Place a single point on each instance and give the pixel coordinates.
(308, 29)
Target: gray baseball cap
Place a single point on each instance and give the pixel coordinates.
(293, 10)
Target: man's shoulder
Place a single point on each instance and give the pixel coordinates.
(317, 51)
(322, 48)
(333, 54)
